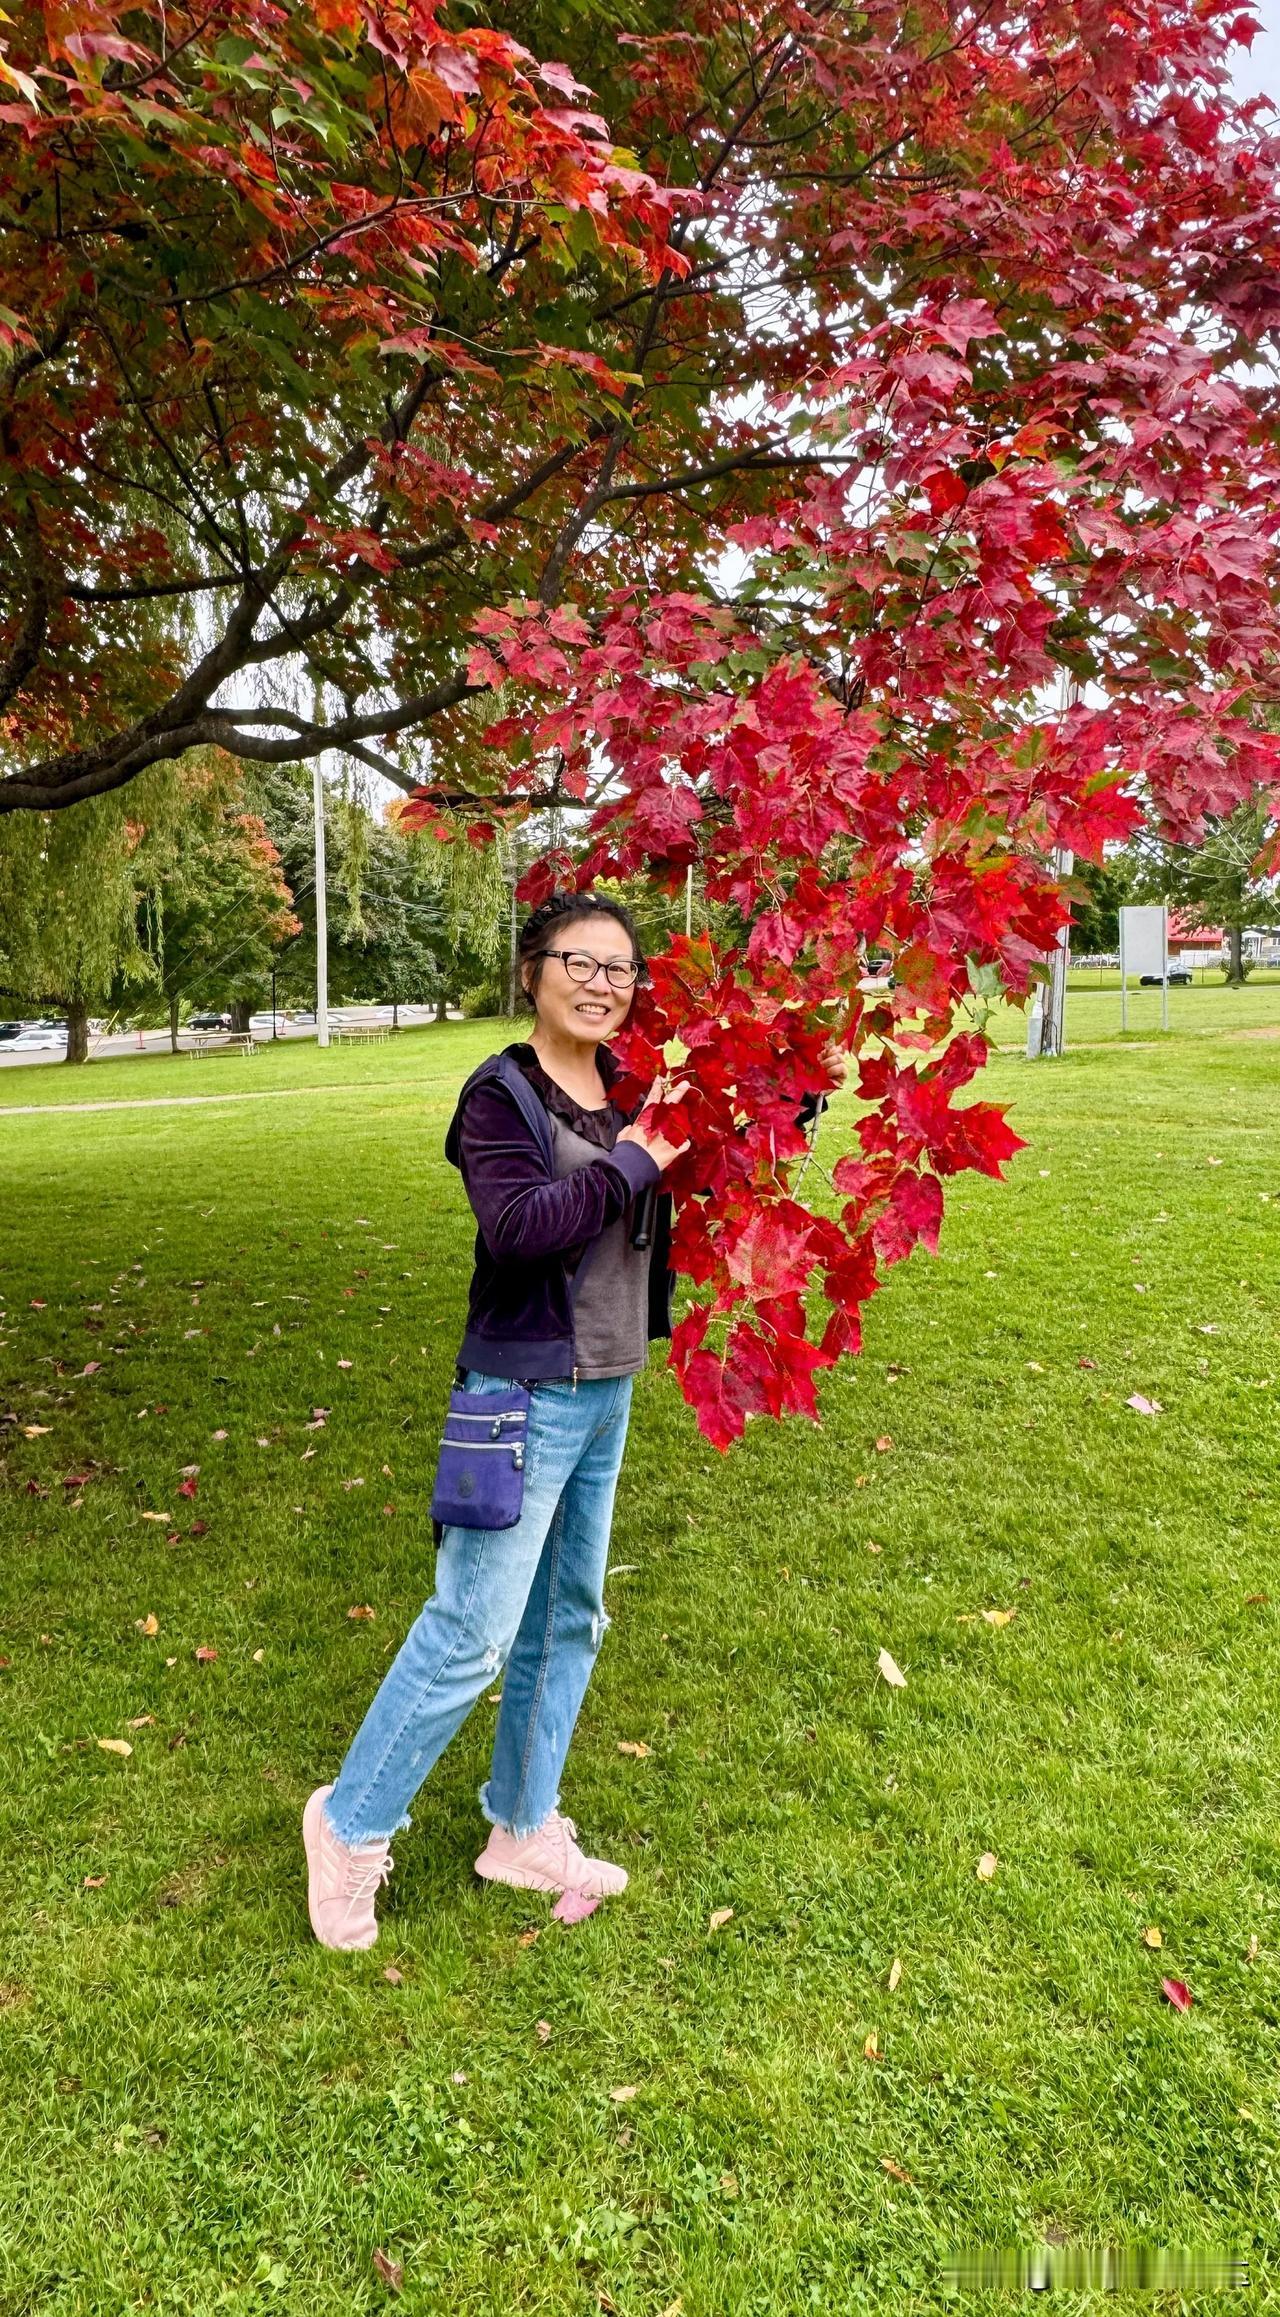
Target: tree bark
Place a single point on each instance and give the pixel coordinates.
(442, 1009)
(1235, 957)
(241, 1008)
(77, 1031)
(173, 1020)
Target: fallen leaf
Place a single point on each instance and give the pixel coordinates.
(205, 1655)
(986, 1866)
(529, 1937)
(896, 2171)
(363, 1615)
(1251, 1951)
(716, 1921)
(1256, 1600)
(635, 1747)
(890, 1671)
(171, 1661)
(729, 2183)
(141, 1722)
(35, 1431)
(37, 1304)
(188, 1488)
(76, 1479)
(91, 1367)
(873, 1547)
(119, 1746)
(258, 1656)
(199, 1528)
(883, 1444)
(1153, 1936)
(34, 1489)
(1177, 1992)
(391, 2272)
(1210, 1328)
(157, 1516)
(623, 2092)
(150, 1624)
(542, 2030)
(998, 1617)
(220, 1434)
(895, 1973)
(1086, 1363)
(871, 2048)
(189, 1471)
(393, 1977)
(1035, 1367)
(459, 2076)
(93, 1882)
(344, 1363)
(573, 1907)
(1142, 1406)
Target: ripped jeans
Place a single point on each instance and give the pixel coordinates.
(528, 1599)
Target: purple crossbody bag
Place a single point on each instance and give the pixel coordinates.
(480, 1475)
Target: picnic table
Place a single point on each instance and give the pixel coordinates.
(232, 1042)
(361, 1033)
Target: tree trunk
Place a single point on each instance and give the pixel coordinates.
(173, 1020)
(442, 1009)
(77, 1031)
(241, 1008)
(1235, 957)
(395, 1011)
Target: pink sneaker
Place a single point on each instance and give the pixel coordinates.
(548, 1860)
(342, 1880)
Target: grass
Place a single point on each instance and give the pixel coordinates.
(205, 2112)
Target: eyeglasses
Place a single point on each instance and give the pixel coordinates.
(582, 967)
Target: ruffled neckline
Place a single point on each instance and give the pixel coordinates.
(601, 1126)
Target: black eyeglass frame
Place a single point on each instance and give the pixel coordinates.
(631, 967)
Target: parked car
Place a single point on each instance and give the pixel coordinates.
(209, 1022)
(39, 1038)
(11, 1030)
(1178, 978)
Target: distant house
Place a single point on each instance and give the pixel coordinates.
(1193, 944)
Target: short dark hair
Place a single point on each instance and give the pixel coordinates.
(553, 916)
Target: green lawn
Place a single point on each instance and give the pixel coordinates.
(206, 2112)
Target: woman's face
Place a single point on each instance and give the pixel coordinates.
(583, 1011)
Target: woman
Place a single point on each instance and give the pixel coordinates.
(563, 1301)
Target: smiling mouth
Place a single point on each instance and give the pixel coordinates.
(595, 1008)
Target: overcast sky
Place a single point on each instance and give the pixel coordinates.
(1258, 68)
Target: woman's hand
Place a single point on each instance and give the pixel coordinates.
(660, 1150)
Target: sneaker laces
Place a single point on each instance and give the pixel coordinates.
(365, 1872)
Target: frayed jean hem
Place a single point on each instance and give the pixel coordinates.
(517, 1833)
(358, 1841)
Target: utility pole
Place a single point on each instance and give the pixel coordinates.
(322, 915)
(1046, 1026)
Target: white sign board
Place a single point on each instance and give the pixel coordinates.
(1144, 939)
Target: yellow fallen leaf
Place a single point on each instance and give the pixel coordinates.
(635, 1747)
(986, 1866)
(35, 1431)
(998, 1617)
(116, 1746)
(896, 2171)
(157, 1516)
(1152, 1937)
(150, 1624)
(721, 1916)
(871, 2048)
(729, 2183)
(895, 1973)
(141, 1722)
(258, 1656)
(1251, 1951)
(890, 1672)
(623, 2092)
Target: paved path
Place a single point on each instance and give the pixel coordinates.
(188, 1101)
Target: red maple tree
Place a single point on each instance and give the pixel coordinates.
(784, 433)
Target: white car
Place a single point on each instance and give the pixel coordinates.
(41, 1038)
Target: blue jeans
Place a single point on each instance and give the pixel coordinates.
(530, 1598)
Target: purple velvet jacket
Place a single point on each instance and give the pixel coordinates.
(534, 1230)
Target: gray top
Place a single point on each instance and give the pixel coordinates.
(611, 1308)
